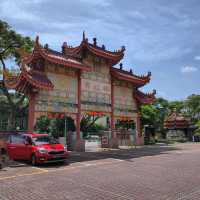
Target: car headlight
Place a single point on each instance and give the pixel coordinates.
(42, 150)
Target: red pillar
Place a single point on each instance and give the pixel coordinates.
(113, 142)
(112, 107)
(138, 125)
(78, 117)
(139, 140)
(31, 112)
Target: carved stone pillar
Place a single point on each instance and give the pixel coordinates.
(139, 138)
(31, 112)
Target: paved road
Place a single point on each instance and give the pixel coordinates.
(150, 173)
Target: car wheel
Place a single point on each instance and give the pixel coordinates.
(33, 160)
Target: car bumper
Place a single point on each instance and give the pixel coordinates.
(41, 158)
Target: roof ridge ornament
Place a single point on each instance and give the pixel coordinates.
(84, 36)
(46, 46)
(64, 48)
(123, 48)
(37, 40)
(149, 73)
(95, 41)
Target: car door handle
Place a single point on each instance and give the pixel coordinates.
(13, 147)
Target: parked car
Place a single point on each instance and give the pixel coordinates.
(36, 148)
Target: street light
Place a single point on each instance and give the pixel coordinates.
(65, 131)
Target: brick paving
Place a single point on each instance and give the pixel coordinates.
(149, 173)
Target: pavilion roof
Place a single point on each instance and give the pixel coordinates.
(71, 57)
(138, 81)
(26, 79)
(113, 56)
(54, 57)
(176, 120)
(144, 98)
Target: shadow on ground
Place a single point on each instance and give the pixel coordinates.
(121, 154)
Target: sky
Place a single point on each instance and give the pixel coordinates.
(161, 36)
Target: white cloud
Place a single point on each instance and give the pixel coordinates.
(189, 69)
(103, 3)
(136, 14)
(16, 10)
(197, 57)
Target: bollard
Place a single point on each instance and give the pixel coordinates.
(1, 164)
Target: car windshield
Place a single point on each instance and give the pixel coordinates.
(39, 140)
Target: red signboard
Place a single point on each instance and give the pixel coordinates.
(104, 140)
(56, 115)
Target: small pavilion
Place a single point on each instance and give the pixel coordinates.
(177, 126)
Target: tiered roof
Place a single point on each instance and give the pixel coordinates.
(113, 56)
(138, 81)
(176, 121)
(144, 98)
(27, 79)
(54, 57)
(72, 57)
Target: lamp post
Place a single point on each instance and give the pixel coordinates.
(65, 130)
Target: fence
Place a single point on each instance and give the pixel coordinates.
(19, 124)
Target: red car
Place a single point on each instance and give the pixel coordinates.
(37, 148)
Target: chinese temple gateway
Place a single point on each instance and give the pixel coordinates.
(80, 80)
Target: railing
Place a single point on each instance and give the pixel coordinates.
(19, 124)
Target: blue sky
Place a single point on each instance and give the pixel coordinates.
(161, 36)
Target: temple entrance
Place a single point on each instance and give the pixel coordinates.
(93, 126)
(125, 131)
(59, 125)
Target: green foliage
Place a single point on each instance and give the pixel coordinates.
(155, 114)
(176, 105)
(87, 122)
(96, 128)
(42, 125)
(8, 121)
(11, 42)
(149, 115)
(55, 126)
(192, 107)
(197, 131)
(89, 125)
(125, 125)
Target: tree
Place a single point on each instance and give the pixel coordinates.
(176, 105)
(162, 110)
(192, 107)
(10, 45)
(42, 125)
(54, 126)
(155, 114)
(148, 115)
(88, 121)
